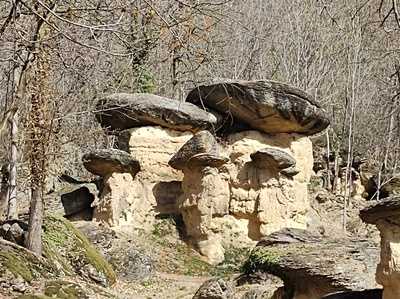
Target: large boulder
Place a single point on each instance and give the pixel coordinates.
(268, 106)
(312, 267)
(125, 111)
(107, 161)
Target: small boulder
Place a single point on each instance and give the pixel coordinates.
(201, 143)
(275, 159)
(125, 111)
(216, 288)
(14, 231)
(106, 161)
(268, 106)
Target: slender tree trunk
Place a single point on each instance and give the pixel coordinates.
(5, 180)
(328, 169)
(37, 162)
(34, 239)
(12, 209)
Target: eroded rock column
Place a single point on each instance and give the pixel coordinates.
(118, 170)
(205, 194)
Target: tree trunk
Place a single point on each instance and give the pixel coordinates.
(12, 209)
(34, 239)
(5, 181)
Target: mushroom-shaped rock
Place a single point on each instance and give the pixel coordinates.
(124, 111)
(107, 161)
(387, 209)
(268, 106)
(385, 215)
(201, 143)
(313, 267)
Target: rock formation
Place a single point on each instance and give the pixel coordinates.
(385, 215)
(107, 161)
(125, 111)
(118, 169)
(205, 193)
(268, 106)
(231, 191)
(312, 267)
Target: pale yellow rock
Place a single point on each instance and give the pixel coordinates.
(388, 270)
(153, 147)
(114, 198)
(271, 199)
(134, 203)
(205, 197)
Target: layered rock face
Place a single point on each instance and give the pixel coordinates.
(235, 190)
(385, 215)
(312, 267)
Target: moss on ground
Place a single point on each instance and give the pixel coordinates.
(262, 258)
(22, 263)
(67, 253)
(68, 247)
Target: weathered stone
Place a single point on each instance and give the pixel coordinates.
(381, 210)
(201, 143)
(205, 198)
(79, 198)
(107, 161)
(125, 111)
(385, 215)
(216, 288)
(14, 231)
(133, 203)
(313, 267)
(267, 200)
(273, 158)
(268, 106)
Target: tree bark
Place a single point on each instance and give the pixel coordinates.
(12, 208)
(34, 239)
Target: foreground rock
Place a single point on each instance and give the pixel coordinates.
(386, 216)
(214, 289)
(268, 106)
(312, 267)
(125, 111)
(107, 161)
